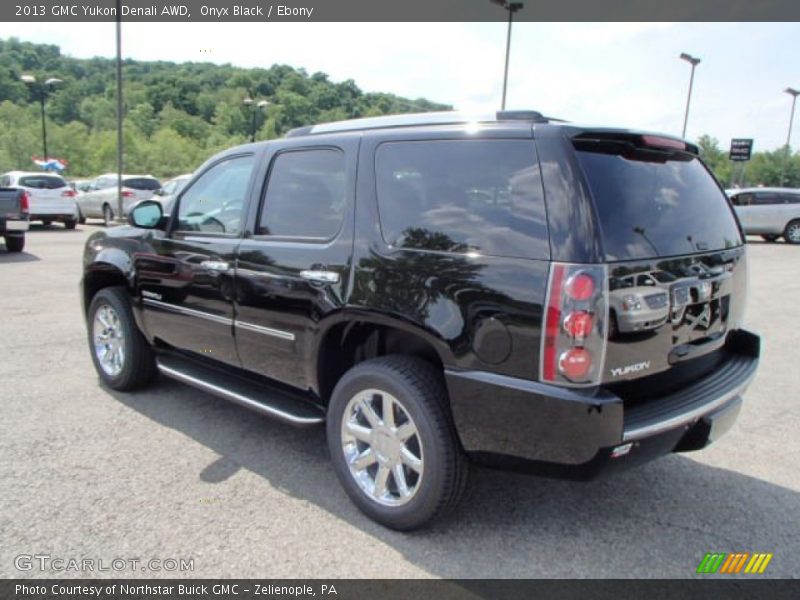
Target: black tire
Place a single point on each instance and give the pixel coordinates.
(47, 222)
(139, 365)
(108, 215)
(770, 237)
(15, 243)
(81, 218)
(70, 223)
(419, 388)
(792, 232)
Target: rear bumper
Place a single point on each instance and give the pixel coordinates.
(14, 226)
(56, 215)
(526, 425)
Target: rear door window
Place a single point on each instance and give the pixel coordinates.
(145, 184)
(462, 196)
(655, 204)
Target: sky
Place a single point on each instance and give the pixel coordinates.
(610, 74)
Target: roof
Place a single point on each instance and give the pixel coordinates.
(420, 119)
(33, 173)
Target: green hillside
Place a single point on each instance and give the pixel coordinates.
(176, 115)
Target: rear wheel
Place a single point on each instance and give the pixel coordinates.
(47, 222)
(770, 237)
(108, 215)
(121, 355)
(15, 243)
(393, 444)
(70, 223)
(792, 232)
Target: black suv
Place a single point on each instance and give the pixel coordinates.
(437, 290)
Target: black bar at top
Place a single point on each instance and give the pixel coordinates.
(397, 10)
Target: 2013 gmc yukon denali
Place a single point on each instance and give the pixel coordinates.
(436, 290)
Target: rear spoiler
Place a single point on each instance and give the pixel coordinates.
(642, 141)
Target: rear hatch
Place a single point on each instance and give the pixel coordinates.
(136, 189)
(49, 194)
(677, 273)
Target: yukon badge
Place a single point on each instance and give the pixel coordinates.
(634, 368)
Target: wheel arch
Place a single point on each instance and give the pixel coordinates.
(352, 338)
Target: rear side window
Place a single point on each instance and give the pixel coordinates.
(462, 196)
(42, 182)
(651, 207)
(306, 194)
(145, 184)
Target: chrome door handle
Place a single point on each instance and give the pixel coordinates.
(320, 276)
(215, 265)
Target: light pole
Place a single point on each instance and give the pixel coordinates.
(794, 93)
(694, 62)
(511, 7)
(42, 89)
(262, 104)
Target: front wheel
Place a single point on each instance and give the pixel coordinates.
(120, 353)
(792, 232)
(70, 223)
(81, 218)
(393, 444)
(770, 237)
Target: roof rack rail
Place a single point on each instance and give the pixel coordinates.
(418, 119)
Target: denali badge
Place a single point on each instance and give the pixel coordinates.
(619, 371)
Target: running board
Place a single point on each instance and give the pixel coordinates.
(263, 399)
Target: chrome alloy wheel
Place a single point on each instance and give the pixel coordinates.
(793, 233)
(109, 340)
(382, 447)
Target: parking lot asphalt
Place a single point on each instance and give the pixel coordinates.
(174, 473)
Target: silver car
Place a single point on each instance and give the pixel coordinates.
(639, 302)
(769, 212)
(101, 200)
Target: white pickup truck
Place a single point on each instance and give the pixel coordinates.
(51, 199)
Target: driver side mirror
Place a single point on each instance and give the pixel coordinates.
(147, 214)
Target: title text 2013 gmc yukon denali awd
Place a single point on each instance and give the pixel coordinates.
(437, 291)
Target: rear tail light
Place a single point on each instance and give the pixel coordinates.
(25, 203)
(68, 194)
(576, 313)
(128, 194)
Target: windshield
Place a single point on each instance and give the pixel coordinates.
(656, 206)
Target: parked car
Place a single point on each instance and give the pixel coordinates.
(14, 217)
(638, 302)
(771, 213)
(50, 198)
(436, 290)
(171, 188)
(101, 201)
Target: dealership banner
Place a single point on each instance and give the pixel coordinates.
(400, 11)
(393, 589)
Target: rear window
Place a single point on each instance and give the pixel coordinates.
(462, 196)
(42, 182)
(656, 206)
(147, 184)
